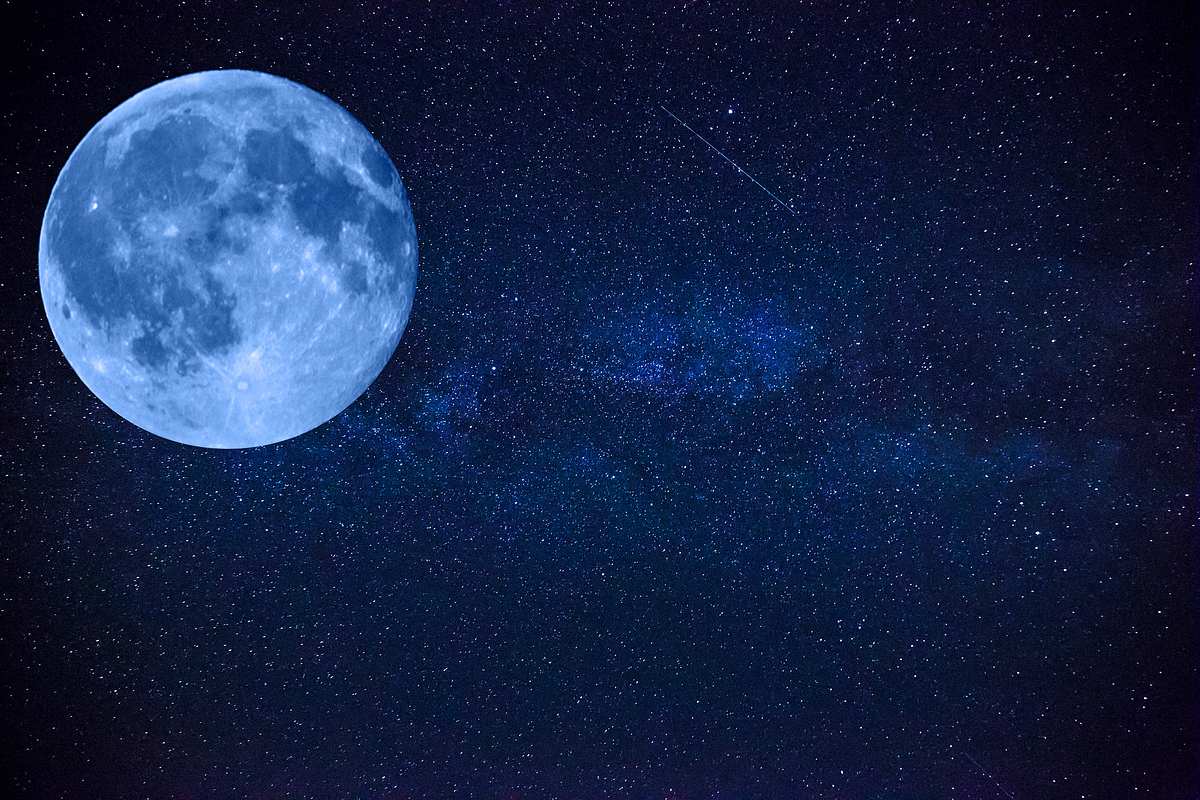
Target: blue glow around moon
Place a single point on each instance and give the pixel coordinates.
(228, 259)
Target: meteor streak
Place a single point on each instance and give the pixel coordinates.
(717, 150)
(989, 775)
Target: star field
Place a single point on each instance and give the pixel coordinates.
(666, 492)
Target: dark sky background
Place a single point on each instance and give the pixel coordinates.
(667, 492)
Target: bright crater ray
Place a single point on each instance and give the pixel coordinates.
(228, 259)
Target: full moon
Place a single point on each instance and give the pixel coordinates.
(228, 259)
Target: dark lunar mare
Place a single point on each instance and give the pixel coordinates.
(162, 162)
(165, 162)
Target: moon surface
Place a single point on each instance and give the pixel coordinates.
(228, 259)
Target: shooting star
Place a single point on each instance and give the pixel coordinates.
(989, 775)
(717, 150)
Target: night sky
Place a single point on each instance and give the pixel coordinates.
(669, 491)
